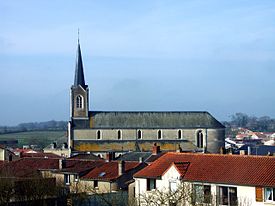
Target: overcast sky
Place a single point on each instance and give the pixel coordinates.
(181, 55)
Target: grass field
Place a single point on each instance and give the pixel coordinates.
(40, 138)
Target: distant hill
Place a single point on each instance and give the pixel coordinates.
(39, 138)
(35, 126)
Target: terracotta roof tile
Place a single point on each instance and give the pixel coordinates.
(80, 166)
(41, 155)
(228, 169)
(109, 170)
(28, 167)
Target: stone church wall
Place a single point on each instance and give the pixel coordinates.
(86, 139)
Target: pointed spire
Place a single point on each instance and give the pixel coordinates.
(79, 72)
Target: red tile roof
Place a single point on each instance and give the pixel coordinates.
(79, 166)
(28, 167)
(40, 155)
(109, 171)
(214, 168)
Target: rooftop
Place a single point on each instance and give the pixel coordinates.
(140, 120)
(28, 167)
(214, 168)
(79, 166)
(109, 171)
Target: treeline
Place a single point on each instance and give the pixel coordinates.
(260, 124)
(35, 126)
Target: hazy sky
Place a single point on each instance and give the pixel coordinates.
(183, 55)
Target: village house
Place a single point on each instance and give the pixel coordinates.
(111, 176)
(70, 171)
(209, 179)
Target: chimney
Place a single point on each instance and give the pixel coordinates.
(121, 167)
(62, 163)
(53, 145)
(222, 150)
(64, 145)
(248, 150)
(179, 148)
(110, 156)
(156, 149)
(10, 157)
(21, 154)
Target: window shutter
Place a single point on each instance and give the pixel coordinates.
(259, 194)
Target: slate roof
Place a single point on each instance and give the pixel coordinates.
(79, 71)
(151, 120)
(134, 156)
(109, 171)
(85, 157)
(213, 168)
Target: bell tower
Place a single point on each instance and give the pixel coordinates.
(79, 104)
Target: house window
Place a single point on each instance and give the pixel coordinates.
(202, 194)
(79, 102)
(179, 134)
(269, 194)
(139, 134)
(159, 134)
(151, 184)
(67, 179)
(98, 134)
(200, 139)
(228, 196)
(119, 134)
(95, 183)
(173, 186)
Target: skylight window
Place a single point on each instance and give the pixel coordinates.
(102, 174)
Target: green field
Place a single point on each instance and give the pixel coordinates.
(40, 138)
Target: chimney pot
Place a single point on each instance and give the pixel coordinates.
(62, 163)
(121, 167)
(156, 149)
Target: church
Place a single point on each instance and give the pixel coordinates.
(120, 131)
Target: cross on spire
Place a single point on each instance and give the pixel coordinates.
(79, 71)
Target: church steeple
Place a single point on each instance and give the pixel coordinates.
(79, 72)
(79, 91)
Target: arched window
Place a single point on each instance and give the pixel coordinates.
(79, 102)
(179, 134)
(139, 134)
(98, 134)
(200, 139)
(119, 134)
(159, 134)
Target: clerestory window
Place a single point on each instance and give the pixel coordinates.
(98, 134)
(119, 134)
(200, 139)
(179, 134)
(139, 134)
(159, 134)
